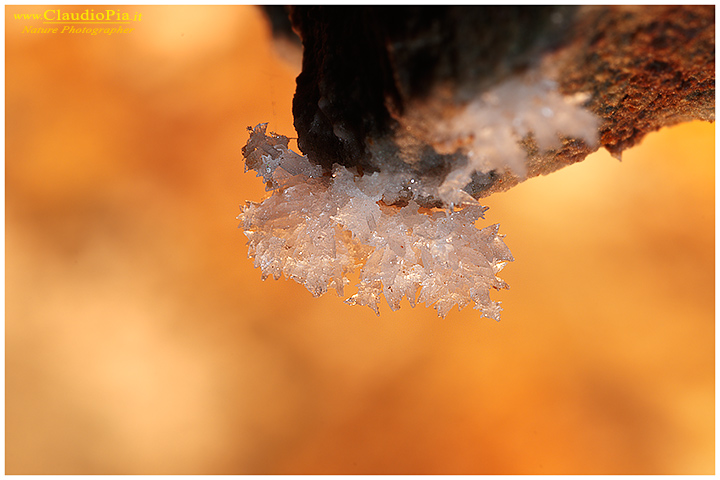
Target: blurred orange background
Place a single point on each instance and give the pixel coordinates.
(140, 340)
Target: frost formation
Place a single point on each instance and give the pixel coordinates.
(318, 229)
(492, 125)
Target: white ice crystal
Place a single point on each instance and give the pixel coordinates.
(317, 229)
(492, 125)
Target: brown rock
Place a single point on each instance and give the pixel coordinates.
(371, 72)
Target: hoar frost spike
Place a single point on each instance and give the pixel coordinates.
(316, 229)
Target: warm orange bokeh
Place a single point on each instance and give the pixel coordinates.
(139, 339)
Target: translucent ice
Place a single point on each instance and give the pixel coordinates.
(317, 229)
(491, 126)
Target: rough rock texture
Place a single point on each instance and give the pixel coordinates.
(645, 67)
(377, 81)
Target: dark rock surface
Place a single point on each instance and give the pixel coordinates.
(370, 71)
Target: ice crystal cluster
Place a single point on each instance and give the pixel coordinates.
(317, 229)
(492, 125)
